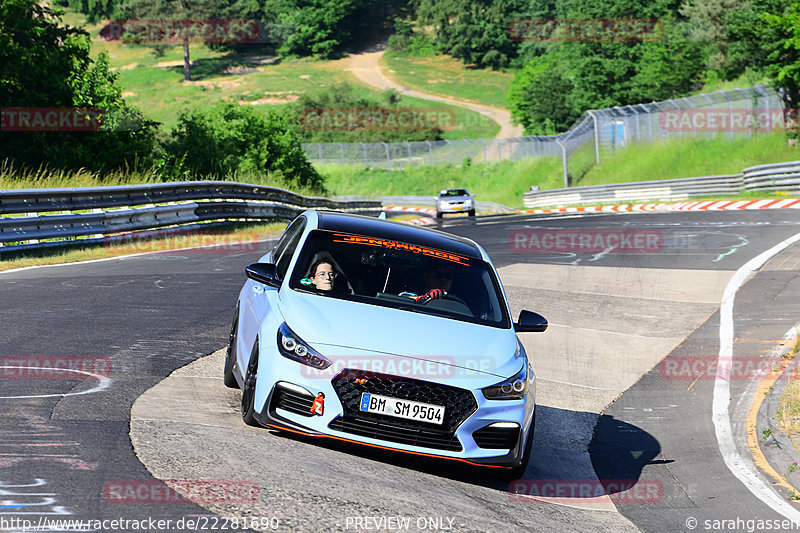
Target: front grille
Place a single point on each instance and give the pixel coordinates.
(458, 403)
(494, 437)
(292, 401)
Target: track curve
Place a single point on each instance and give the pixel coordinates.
(614, 316)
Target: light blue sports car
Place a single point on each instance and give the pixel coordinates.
(387, 335)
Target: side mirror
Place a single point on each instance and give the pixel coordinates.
(530, 322)
(263, 273)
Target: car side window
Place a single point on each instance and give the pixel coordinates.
(285, 250)
(288, 233)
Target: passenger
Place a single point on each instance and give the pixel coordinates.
(323, 275)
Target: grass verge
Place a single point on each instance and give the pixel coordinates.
(445, 76)
(503, 182)
(788, 414)
(685, 158)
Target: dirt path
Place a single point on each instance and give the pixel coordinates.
(367, 68)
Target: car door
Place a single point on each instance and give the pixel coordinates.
(255, 301)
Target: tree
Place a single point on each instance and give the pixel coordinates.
(95, 10)
(474, 31)
(44, 64)
(539, 97)
(708, 22)
(783, 63)
(229, 138)
(669, 67)
(317, 27)
(145, 14)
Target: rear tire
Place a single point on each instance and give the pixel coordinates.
(438, 214)
(471, 212)
(249, 389)
(228, 376)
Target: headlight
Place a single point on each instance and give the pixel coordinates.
(293, 347)
(513, 388)
(468, 203)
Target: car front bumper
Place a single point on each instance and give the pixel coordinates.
(292, 391)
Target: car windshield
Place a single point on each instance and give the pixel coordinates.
(455, 192)
(397, 274)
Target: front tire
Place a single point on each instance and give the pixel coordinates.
(249, 389)
(438, 214)
(471, 212)
(228, 376)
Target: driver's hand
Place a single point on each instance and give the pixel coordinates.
(432, 294)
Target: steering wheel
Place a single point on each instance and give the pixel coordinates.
(447, 296)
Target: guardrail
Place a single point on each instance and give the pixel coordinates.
(54, 217)
(773, 177)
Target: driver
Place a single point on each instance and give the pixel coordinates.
(323, 275)
(437, 281)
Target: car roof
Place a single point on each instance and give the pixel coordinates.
(396, 231)
(458, 190)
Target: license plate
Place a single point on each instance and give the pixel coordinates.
(458, 207)
(424, 412)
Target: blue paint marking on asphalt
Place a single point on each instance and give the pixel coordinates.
(12, 506)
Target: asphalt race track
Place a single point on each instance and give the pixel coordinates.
(612, 402)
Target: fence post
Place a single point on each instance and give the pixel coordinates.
(596, 136)
(364, 147)
(485, 155)
(341, 152)
(730, 113)
(710, 106)
(680, 129)
(408, 148)
(388, 157)
(691, 106)
(430, 153)
(319, 150)
(450, 146)
(469, 155)
(564, 162)
(763, 93)
(747, 107)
